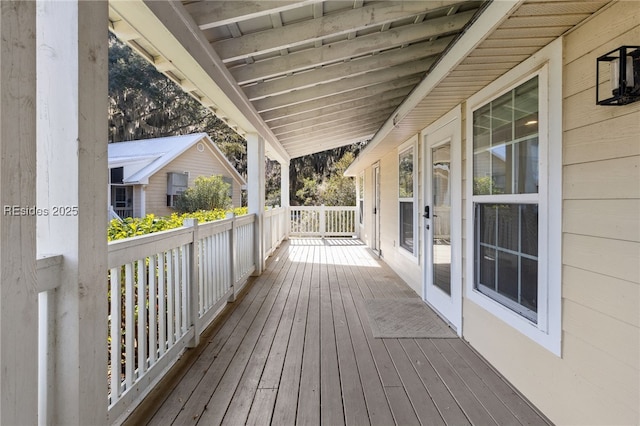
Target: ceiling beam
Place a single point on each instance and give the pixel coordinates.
(414, 68)
(351, 68)
(348, 49)
(318, 118)
(210, 14)
(312, 30)
(300, 151)
(325, 133)
(341, 98)
(285, 132)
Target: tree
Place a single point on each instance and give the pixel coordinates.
(208, 193)
(338, 189)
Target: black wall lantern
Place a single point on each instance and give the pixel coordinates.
(622, 68)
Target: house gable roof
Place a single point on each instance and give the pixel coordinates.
(153, 154)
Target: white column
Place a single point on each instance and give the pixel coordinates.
(284, 195)
(72, 177)
(256, 192)
(18, 295)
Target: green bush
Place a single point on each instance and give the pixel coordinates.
(132, 227)
(208, 193)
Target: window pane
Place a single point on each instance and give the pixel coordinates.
(505, 144)
(529, 284)
(506, 255)
(488, 216)
(508, 223)
(529, 229)
(406, 225)
(487, 267)
(405, 174)
(508, 275)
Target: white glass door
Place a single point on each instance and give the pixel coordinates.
(442, 277)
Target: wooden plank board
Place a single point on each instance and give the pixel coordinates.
(472, 408)
(197, 403)
(331, 409)
(401, 406)
(286, 405)
(262, 407)
(518, 406)
(249, 359)
(421, 401)
(309, 394)
(377, 405)
(273, 369)
(355, 407)
(447, 405)
(240, 400)
(483, 393)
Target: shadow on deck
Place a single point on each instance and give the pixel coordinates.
(297, 348)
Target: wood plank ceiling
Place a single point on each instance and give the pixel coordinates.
(311, 75)
(323, 74)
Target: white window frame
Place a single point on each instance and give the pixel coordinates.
(547, 65)
(411, 144)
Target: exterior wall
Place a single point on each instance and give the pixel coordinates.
(596, 380)
(197, 164)
(408, 267)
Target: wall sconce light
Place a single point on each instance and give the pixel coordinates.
(622, 68)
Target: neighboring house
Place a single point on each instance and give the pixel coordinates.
(538, 268)
(146, 176)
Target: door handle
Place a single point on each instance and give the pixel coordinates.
(426, 212)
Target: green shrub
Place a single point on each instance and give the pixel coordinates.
(208, 193)
(132, 227)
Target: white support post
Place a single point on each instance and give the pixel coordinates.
(284, 197)
(18, 294)
(256, 193)
(71, 181)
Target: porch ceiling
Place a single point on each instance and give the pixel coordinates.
(310, 75)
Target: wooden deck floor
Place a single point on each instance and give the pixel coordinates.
(298, 349)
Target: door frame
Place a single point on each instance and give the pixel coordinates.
(375, 170)
(451, 313)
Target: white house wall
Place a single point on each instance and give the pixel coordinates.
(405, 265)
(596, 379)
(197, 164)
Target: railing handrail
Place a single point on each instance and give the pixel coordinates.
(323, 221)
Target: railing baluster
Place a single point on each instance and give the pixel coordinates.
(116, 335)
(177, 313)
(186, 279)
(142, 317)
(162, 305)
(153, 304)
(129, 317)
(170, 297)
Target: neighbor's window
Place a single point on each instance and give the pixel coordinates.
(505, 196)
(406, 182)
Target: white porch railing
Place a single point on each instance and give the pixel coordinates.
(165, 288)
(323, 221)
(275, 222)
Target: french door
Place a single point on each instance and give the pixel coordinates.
(442, 220)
